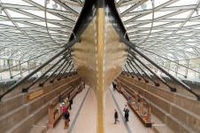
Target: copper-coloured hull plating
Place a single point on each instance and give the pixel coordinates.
(100, 55)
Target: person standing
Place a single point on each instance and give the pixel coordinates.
(114, 86)
(65, 115)
(60, 99)
(70, 103)
(126, 113)
(66, 119)
(63, 108)
(116, 116)
(83, 83)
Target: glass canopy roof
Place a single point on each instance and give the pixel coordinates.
(32, 31)
(168, 31)
(167, 27)
(164, 28)
(32, 27)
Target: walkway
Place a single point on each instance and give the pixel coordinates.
(84, 120)
(114, 100)
(59, 128)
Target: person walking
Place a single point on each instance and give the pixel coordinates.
(116, 116)
(126, 113)
(66, 119)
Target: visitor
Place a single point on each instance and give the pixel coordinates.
(126, 113)
(70, 103)
(66, 119)
(60, 99)
(63, 108)
(114, 86)
(116, 116)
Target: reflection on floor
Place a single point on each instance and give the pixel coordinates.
(83, 115)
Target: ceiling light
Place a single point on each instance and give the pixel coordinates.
(55, 6)
(1, 8)
(144, 6)
(48, 1)
(197, 11)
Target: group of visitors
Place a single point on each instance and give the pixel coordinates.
(65, 108)
(126, 114)
(66, 105)
(126, 110)
(60, 99)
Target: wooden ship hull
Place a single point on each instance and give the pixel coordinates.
(99, 55)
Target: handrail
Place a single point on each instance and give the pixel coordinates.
(169, 60)
(70, 44)
(38, 79)
(186, 87)
(162, 80)
(27, 60)
(52, 74)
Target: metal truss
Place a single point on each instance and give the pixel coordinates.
(170, 28)
(29, 28)
(37, 26)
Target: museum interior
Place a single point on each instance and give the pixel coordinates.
(99, 66)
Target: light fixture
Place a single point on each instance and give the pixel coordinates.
(1, 8)
(55, 6)
(144, 6)
(197, 11)
(48, 1)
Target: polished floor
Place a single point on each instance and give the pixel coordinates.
(83, 115)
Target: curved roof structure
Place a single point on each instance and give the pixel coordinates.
(34, 30)
(168, 27)
(30, 28)
(167, 31)
(149, 50)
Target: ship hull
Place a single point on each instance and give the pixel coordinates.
(99, 55)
